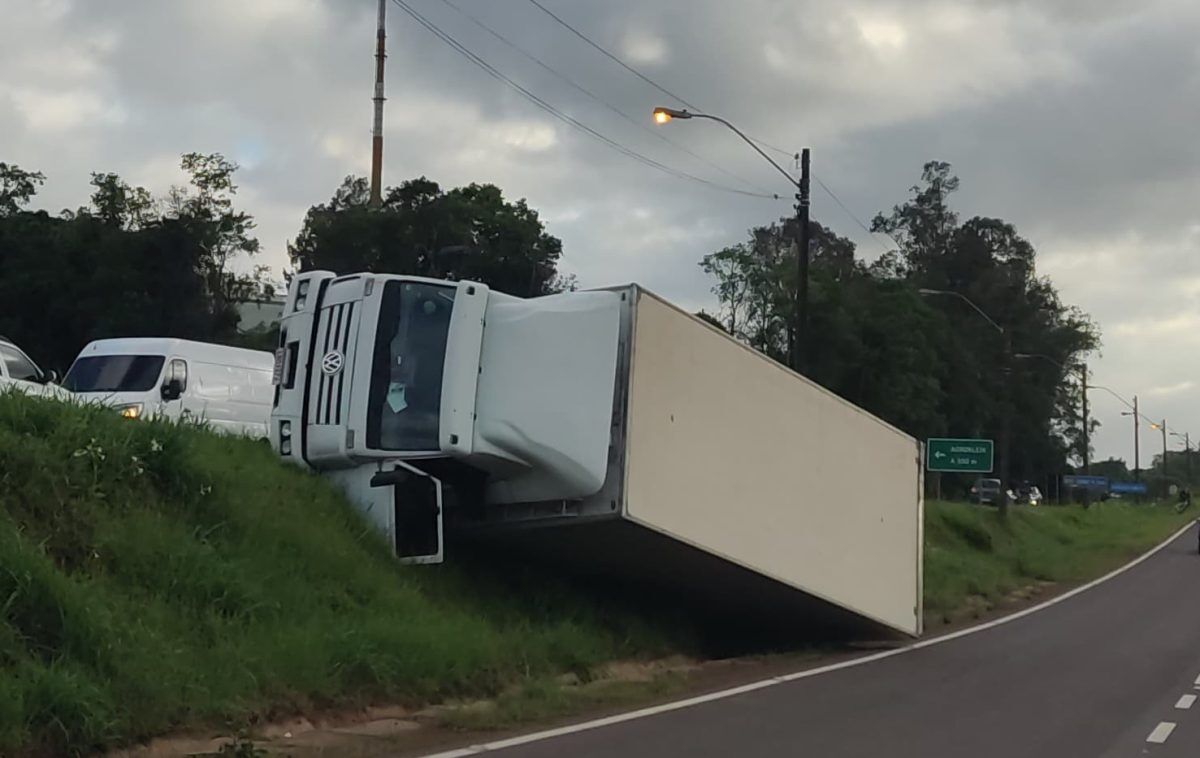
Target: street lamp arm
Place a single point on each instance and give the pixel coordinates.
(1127, 404)
(748, 141)
(1040, 356)
(966, 300)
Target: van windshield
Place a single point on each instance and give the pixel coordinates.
(114, 373)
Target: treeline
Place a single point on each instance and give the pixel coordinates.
(928, 364)
(131, 264)
(127, 264)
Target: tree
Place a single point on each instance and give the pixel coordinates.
(931, 367)
(116, 203)
(468, 232)
(205, 207)
(126, 265)
(17, 187)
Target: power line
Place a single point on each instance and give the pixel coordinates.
(856, 219)
(565, 118)
(636, 122)
(616, 59)
(612, 57)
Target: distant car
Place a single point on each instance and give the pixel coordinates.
(986, 492)
(19, 372)
(1028, 495)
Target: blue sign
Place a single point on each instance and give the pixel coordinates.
(1128, 488)
(1086, 482)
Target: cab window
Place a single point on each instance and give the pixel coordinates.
(19, 366)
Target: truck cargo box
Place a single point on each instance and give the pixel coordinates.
(737, 482)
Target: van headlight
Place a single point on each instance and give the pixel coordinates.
(285, 437)
(133, 410)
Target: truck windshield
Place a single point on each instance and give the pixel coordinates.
(114, 373)
(406, 371)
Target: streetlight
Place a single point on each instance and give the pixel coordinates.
(968, 301)
(1005, 430)
(1137, 463)
(800, 328)
(1187, 448)
(1162, 428)
(1083, 379)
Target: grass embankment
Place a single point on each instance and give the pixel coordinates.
(975, 560)
(155, 577)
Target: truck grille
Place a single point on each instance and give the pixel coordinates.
(337, 330)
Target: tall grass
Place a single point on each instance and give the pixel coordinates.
(974, 558)
(155, 577)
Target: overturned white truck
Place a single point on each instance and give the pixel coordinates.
(607, 431)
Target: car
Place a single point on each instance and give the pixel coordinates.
(19, 372)
(986, 492)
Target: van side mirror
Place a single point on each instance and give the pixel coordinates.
(172, 390)
(51, 377)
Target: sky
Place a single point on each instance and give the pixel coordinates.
(1075, 120)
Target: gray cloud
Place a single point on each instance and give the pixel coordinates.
(1073, 119)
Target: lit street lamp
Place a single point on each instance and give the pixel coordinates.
(800, 326)
(1086, 453)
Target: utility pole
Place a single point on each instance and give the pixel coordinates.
(1087, 442)
(800, 344)
(1163, 428)
(1137, 460)
(1005, 421)
(377, 131)
(1187, 451)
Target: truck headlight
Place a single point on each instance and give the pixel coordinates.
(133, 410)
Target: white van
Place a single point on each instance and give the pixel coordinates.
(19, 372)
(228, 388)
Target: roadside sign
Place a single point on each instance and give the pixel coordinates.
(1086, 482)
(965, 455)
(1128, 488)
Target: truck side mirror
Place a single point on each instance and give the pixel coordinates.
(50, 377)
(172, 390)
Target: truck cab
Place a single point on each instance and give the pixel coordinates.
(393, 384)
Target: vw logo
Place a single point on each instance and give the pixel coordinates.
(332, 362)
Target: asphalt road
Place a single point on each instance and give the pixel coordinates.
(1094, 676)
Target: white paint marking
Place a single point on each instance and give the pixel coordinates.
(1185, 702)
(734, 691)
(1161, 732)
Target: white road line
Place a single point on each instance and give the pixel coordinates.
(1161, 732)
(1185, 702)
(525, 739)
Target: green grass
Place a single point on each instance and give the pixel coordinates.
(973, 558)
(156, 577)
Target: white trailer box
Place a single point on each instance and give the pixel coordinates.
(614, 434)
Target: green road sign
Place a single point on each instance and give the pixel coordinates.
(974, 456)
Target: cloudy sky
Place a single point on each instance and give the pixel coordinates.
(1076, 120)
